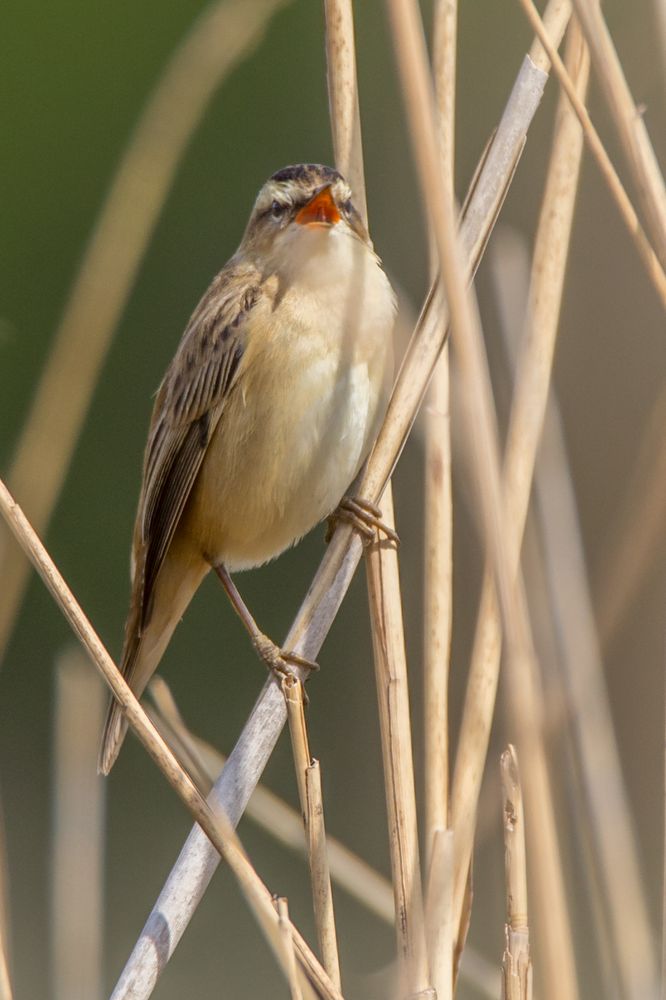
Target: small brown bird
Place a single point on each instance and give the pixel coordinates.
(265, 415)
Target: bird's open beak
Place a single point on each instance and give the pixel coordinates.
(319, 210)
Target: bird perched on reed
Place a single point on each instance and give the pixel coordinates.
(265, 415)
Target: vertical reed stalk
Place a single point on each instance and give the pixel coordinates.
(439, 914)
(628, 120)
(645, 251)
(393, 699)
(312, 809)
(516, 962)
(382, 572)
(531, 388)
(78, 838)
(284, 925)
(438, 524)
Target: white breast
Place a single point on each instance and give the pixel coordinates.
(341, 308)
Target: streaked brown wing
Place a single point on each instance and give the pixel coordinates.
(189, 404)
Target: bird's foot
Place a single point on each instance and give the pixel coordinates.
(364, 516)
(280, 661)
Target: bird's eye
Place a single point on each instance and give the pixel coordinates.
(278, 209)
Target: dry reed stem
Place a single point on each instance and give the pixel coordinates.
(197, 862)
(608, 172)
(388, 643)
(465, 325)
(343, 97)
(522, 441)
(382, 569)
(438, 520)
(531, 393)
(628, 120)
(610, 811)
(312, 811)
(516, 962)
(78, 832)
(438, 563)
(292, 689)
(320, 875)
(412, 64)
(285, 825)
(282, 908)
(268, 810)
(439, 913)
(555, 20)
(215, 824)
(217, 42)
(599, 774)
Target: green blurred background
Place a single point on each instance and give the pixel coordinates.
(74, 77)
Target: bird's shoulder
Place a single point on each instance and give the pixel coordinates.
(211, 347)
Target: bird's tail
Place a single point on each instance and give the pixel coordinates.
(115, 725)
(145, 647)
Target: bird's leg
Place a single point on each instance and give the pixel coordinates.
(276, 659)
(364, 516)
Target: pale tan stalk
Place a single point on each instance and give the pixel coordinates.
(413, 68)
(608, 172)
(531, 382)
(516, 962)
(221, 37)
(555, 19)
(288, 945)
(197, 861)
(602, 811)
(78, 832)
(393, 699)
(438, 563)
(312, 810)
(439, 914)
(292, 690)
(438, 521)
(320, 875)
(523, 437)
(480, 421)
(285, 824)
(629, 122)
(382, 567)
(343, 97)
(268, 810)
(215, 824)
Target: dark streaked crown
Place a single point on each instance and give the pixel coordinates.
(286, 191)
(293, 186)
(310, 175)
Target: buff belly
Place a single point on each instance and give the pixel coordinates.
(288, 467)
